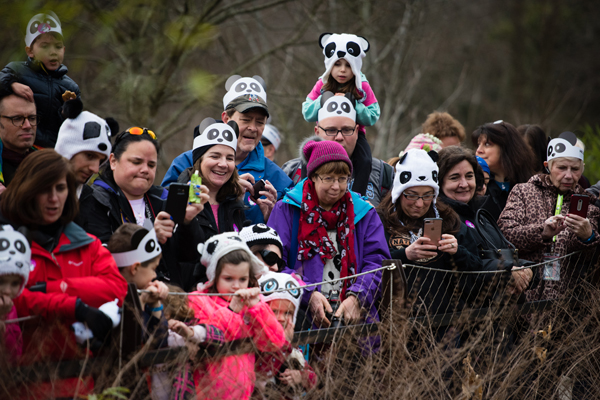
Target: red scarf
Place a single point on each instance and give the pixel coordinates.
(314, 224)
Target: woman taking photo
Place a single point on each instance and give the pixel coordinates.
(329, 232)
(458, 170)
(72, 273)
(412, 199)
(124, 192)
(507, 155)
(537, 219)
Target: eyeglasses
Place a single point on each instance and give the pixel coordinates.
(271, 258)
(136, 130)
(330, 180)
(333, 131)
(19, 120)
(414, 197)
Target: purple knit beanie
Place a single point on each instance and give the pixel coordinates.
(319, 153)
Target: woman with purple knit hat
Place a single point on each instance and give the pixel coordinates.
(329, 232)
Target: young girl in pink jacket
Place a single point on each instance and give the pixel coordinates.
(232, 268)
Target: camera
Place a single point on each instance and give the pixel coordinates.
(334, 301)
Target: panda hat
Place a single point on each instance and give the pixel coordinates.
(40, 24)
(564, 146)
(220, 245)
(350, 47)
(210, 133)
(15, 254)
(261, 234)
(237, 86)
(272, 281)
(416, 168)
(83, 132)
(145, 244)
(336, 106)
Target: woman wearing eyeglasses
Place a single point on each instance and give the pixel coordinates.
(124, 192)
(413, 198)
(328, 233)
(507, 154)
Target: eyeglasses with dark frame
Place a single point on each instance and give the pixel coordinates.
(271, 258)
(415, 197)
(19, 120)
(334, 132)
(330, 180)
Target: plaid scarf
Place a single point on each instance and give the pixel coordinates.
(314, 223)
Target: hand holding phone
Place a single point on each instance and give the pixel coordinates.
(177, 201)
(579, 205)
(432, 229)
(257, 188)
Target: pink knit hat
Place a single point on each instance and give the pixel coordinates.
(423, 141)
(319, 153)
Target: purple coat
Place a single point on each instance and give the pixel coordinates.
(369, 243)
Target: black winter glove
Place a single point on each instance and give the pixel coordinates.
(98, 322)
(38, 287)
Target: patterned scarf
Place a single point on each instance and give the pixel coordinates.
(314, 223)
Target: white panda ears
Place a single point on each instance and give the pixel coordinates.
(206, 122)
(233, 78)
(324, 38)
(434, 155)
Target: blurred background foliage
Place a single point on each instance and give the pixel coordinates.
(163, 64)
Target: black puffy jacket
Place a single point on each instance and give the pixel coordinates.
(47, 87)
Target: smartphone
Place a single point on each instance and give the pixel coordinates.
(432, 229)
(579, 205)
(177, 201)
(258, 186)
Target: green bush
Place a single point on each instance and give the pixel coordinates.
(590, 136)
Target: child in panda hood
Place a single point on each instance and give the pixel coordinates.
(343, 62)
(15, 261)
(285, 372)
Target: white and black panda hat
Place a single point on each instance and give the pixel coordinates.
(273, 281)
(261, 234)
(210, 133)
(237, 86)
(15, 254)
(220, 245)
(40, 24)
(564, 146)
(146, 247)
(350, 47)
(336, 106)
(84, 132)
(416, 168)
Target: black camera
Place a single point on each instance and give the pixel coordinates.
(334, 301)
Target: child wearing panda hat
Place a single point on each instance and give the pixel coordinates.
(15, 261)
(43, 77)
(343, 62)
(236, 308)
(287, 369)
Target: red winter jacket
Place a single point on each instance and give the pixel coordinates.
(79, 267)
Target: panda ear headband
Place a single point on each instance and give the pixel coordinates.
(210, 133)
(336, 106)
(40, 24)
(146, 247)
(564, 146)
(416, 168)
(237, 86)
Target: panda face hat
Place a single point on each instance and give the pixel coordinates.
(85, 132)
(416, 168)
(271, 282)
(146, 247)
(336, 106)
(211, 133)
(220, 245)
(564, 146)
(15, 254)
(237, 86)
(40, 24)
(261, 234)
(351, 48)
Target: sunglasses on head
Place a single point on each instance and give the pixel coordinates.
(136, 130)
(271, 258)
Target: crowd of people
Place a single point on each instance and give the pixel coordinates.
(82, 218)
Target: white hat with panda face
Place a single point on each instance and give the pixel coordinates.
(416, 168)
(15, 254)
(564, 146)
(145, 244)
(350, 47)
(270, 284)
(40, 24)
(336, 106)
(237, 86)
(85, 132)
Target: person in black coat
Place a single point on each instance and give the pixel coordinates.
(124, 192)
(458, 175)
(42, 78)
